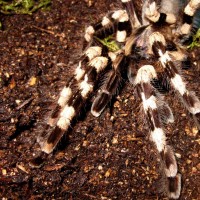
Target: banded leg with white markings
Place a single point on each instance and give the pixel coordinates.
(188, 29)
(110, 85)
(67, 92)
(190, 100)
(189, 12)
(117, 21)
(74, 103)
(150, 103)
(130, 8)
(152, 14)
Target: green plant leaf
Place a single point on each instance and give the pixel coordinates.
(196, 40)
(22, 6)
(109, 43)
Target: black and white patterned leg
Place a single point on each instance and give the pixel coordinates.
(130, 8)
(152, 14)
(190, 100)
(150, 103)
(73, 103)
(187, 30)
(117, 21)
(110, 85)
(67, 92)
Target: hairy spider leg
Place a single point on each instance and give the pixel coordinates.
(120, 20)
(190, 100)
(130, 9)
(150, 103)
(189, 12)
(152, 13)
(64, 111)
(74, 104)
(120, 24)
(67, 92)
(110, 84)
(117, 21)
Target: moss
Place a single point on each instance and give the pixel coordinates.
(22, 6)
(110, 43)
(196, 40)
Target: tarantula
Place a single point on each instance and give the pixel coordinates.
(146, 45)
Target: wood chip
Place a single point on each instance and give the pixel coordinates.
(22, 167)
(108, 172)
(12, 83)
(54, 167)
(4, 172)
(32, 81)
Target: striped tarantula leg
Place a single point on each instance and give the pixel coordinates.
(130, 8)
(149, 99)
(91, 30)
(152, 14)
(74, 104)
(123, 25)
(166, 115)
(110, 84)
(117, 21)
(189, 12)
(190, 100)
(79, 72)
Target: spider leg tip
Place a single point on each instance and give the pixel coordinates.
(95, 114)
(100, 103)
(47, 147)
(174, 187)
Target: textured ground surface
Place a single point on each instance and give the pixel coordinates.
(105, 158)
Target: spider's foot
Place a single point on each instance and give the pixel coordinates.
(174, 186)
(197, 120)
(105, 94)
(38, 161)
(192, 103)
(174, 179)
(110, 84)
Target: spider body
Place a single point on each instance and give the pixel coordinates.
(147, 51)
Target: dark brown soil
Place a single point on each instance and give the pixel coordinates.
(109, 157)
